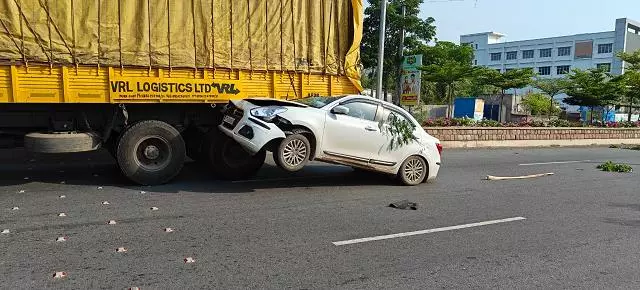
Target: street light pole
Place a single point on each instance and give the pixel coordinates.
(383, 27)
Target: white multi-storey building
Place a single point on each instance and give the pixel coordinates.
(557, 56)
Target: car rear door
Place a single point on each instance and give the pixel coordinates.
(353, 136)
(391, 152)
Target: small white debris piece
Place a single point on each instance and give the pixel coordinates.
(62, 239)
(62, 214)
(121, 250)
(26, 178)
(21, 191)
(99, 187)
(111, 222)
(15, 208)
(142, 192)
(134, 288)
(6, 231)
(105, 203)
(189, 260)
(490, 177)
(60, 275)
(169, 230)
(62, 196)
(154, 208)
(63, 182)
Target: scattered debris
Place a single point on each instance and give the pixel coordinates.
(189, 260)
(63, 182)
(6, 231)
(490, 177)
(105, 203)
(404, 204)
(62, 196)
(15, 208)
(169, 230)
(62, 214)
(62, 239)
(111, 222)
(60, 275)
(99, 187)
(610, 166)
(26, 178)
(21, 191)
(154, 208)
(121, 250)
(143, 192)
(134, 288)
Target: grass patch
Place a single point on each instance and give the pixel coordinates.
(628, 147)
(611, 166)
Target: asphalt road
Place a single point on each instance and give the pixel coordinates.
(581, 226)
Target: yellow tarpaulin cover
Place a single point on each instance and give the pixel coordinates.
(319, 36)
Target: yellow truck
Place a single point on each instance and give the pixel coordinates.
(149, 79)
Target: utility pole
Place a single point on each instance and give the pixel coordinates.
(383, 27)
(401, 54)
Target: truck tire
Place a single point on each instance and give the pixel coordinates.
(229, 161)
(61, 142)
(151, 152)
(293, 152)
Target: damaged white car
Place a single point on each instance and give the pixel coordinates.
(357, 131)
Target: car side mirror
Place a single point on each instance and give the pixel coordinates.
(340, 110)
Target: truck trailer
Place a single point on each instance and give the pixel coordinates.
(149, 80)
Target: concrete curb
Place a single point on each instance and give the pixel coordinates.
(537, 143)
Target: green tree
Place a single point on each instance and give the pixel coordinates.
(538, 104)
(551, 87)
(592, 88)
(503, 81)
(631, 80)
(418, 32)
(447, 64)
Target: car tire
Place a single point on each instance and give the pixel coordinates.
(229, 161)
(413, 171)
(151, 152)
(293, 152)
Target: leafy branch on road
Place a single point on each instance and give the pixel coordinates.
(610, 166)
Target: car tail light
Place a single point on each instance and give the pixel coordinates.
(439, 146)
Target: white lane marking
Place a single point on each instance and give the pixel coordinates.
(557, 162)
(436, 230)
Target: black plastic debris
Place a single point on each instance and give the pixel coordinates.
(405, 204)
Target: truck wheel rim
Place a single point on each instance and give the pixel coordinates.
(294, 153)
(153, 153)
(413, 170)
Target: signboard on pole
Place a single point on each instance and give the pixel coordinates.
(411, 80)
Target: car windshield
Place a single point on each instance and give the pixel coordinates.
(318, 102)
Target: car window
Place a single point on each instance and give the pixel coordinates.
(394, 117)
(362, 110)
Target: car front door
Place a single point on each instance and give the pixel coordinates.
(355, 135)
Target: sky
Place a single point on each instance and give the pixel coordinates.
(526, 19)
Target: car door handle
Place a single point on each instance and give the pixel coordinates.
(371, 128)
